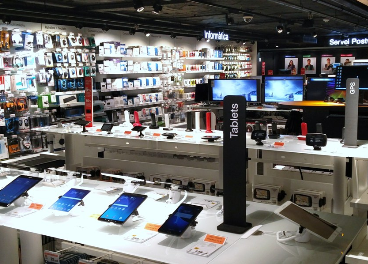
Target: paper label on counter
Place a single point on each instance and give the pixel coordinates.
(215, 239)
(20, 212)
(139, 235)
(210, 244)
(36, 206)
(51, 257)
(152, 227)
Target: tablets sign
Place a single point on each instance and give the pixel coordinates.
(215, 35)
(348, 41)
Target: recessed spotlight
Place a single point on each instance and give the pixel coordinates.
(173, 35)
(105, 28)
(157, 8)
(79, 26)
(315, 34)
(208, 40)
(6, 20)
(288, 31)
(277, 46)
(132, 31)
(279, 29)
(199, 38)
(147, 34)
(138, 5)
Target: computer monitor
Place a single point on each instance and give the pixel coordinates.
(249, 88)
(318, 88)
(345, 72)
(283, 88)
(202, 92)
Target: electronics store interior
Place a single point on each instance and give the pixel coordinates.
(183, 131)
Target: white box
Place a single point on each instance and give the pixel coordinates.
(135, 52)
(266, 193)
(203, 186)
(313, 199)
(136, 100)
(143, 50)
(137, 83)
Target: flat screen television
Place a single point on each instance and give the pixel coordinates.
(318, 88)
(345, 72)
(283, 88)
(249, 88)
(202, 92)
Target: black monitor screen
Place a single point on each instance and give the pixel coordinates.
(283, 88)
(345, 72)
(318, 88)
(202, 92)
(249, 88)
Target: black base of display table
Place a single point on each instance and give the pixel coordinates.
(234, 229)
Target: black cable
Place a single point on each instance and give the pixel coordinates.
(301, 174)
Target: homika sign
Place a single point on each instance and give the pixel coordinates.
(217, 36)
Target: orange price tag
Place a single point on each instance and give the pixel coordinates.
(279, 144)
(95, 216)
(127, 132)
(156, 134)
(188, 136)
(36, 206)
(152, 227)
(98, 130)
(215, 239)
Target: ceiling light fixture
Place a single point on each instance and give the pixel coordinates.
(208, 40)
(173, 35)
(199, 38)
(6, 20)
(229, 20)
(147, 34)
(105, 28)
(157, 8)
(138, 5)
(288, 31)
(315, 34)
(79, 26)
(131, 31)
(280, 29)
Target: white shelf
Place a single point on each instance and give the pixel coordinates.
(132, 89)
(133, 72)
(128, 57)
(214, 71)
(202, 58)
(69, 92)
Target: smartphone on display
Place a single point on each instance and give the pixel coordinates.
(122, 208)
(69, 200)
(17, 188)
(180, 220)
(315, 225)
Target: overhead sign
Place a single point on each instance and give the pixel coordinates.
(348, 41)
(217, 36)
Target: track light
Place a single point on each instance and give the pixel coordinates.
(288, 31)
(315, 34)
(131, 31)
(229, 20)
(6, 20)
(138, 5)
(207, 40)
(157, 8)
(237, 41)
(173, 35)
(279, 29)
(199, 38)
(79, 26)
(147, 34)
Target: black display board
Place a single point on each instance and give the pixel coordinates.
(351, 112)
(234, 168)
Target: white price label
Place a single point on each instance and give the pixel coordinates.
(51, 257)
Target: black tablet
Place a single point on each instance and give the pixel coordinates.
(69, 200)
(107, 127)
(122, 208)
(16, 188)
(180, 220)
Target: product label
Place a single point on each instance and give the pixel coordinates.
(36, 206)
(215, 239)
(152, 227)
(51, 257)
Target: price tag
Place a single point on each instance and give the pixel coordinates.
(95, 216)
(215, 239)
(278, 144)
(51, 257)
(36, 206)
(188, 136)
(127, 132)
(152, 227)
(156, 134)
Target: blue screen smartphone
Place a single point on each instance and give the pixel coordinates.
(17, 188)
(70, 199)
(180, 220)
(122, 208)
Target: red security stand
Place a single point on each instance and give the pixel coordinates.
(136, 119)
(304, 128)
(208, 122)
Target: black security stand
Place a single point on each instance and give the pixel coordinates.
(82, 123)
(139, 129)
(234, 170)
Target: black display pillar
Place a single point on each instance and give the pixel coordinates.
(234, 166)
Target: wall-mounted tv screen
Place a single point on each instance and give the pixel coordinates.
(345, 72)
(318, 88)
(249, 88)
(283, 88)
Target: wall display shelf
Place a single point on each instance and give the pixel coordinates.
(202, 58)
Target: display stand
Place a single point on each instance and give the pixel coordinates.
(83, 123)
(234, 171)
(139, 129)
(21, 201)
(189, 232)
(127, 123)
(129, 222)
(76, 211)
